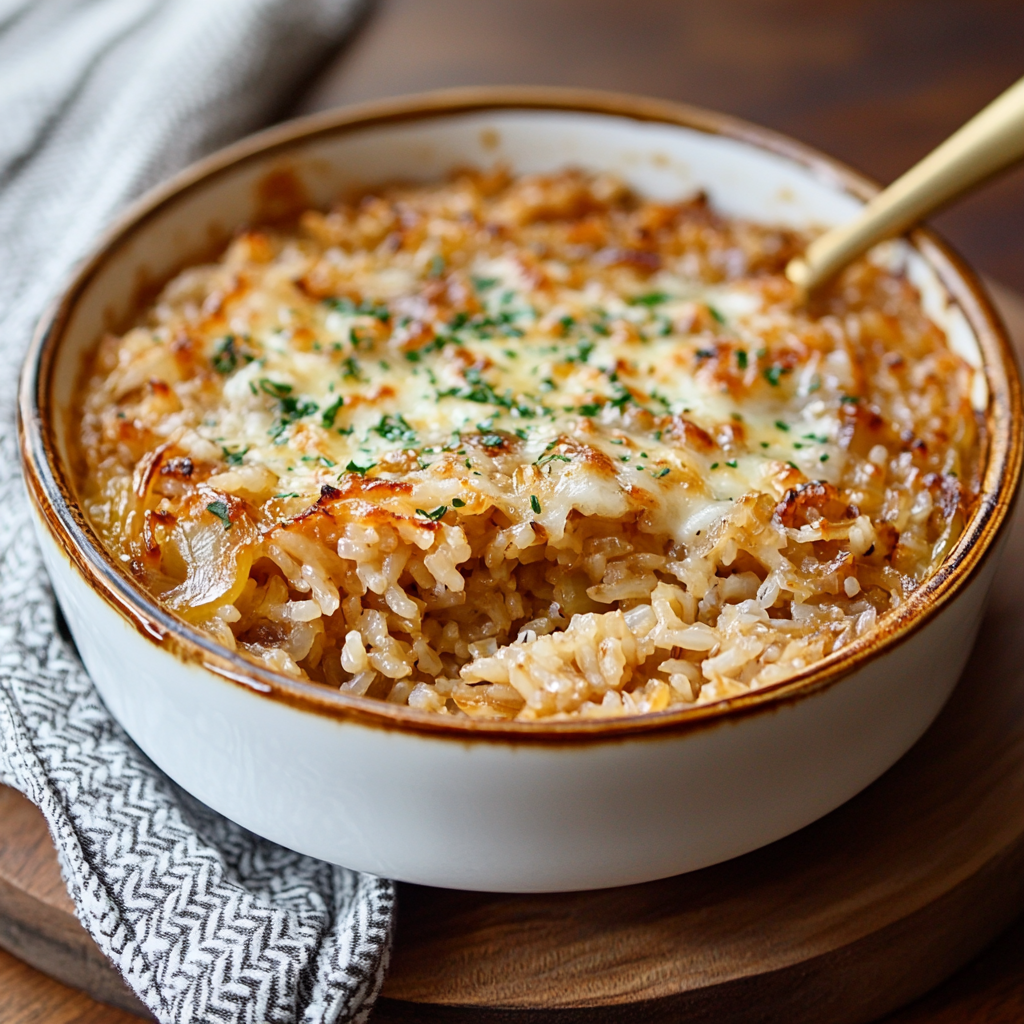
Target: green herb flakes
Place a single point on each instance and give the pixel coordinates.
(773, 374)
(650, 299)
(395, 428)
(228, 354)
(330, 413)
(220, 510)
(435, 515)
(233, 458)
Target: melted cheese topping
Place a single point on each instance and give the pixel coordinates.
(544, 347)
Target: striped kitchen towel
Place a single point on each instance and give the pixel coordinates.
(99, 99)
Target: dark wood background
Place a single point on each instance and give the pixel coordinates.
(875, 82)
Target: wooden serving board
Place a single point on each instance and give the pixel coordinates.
(840, 923)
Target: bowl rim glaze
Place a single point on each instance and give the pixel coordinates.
(51, 490)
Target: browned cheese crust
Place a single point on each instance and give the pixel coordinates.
(530, 447)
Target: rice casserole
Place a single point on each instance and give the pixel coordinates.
(529, 448)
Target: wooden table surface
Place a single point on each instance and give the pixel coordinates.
(874, 82)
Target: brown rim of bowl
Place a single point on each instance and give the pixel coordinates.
(49, 485)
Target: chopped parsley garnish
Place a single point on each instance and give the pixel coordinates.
(782, 426)
(553, 457)
(591, 409)
(356, 339)
(220, 510)
(849, 399)
(741, 359)
(228, 353)
(351, 370)
(233, 458)
(273, 388)
(480, 391)
(582, 353)
(483, 284)
(395, 428)
(436, 266)
(322, 459)
(567, 323)
(732, 463)
(354, 467)
(824, 458)
(714, 465)
(492, 440)
(535, 504)
(661, 472)
(716, 315)
(289, 494)
(621, 399)
(345, 305)
(433, 516)
(331, 412)
(773, 374)
(458, 503)
(650, 299)
(289, 408)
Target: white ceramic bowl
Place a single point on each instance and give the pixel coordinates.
(514, 807)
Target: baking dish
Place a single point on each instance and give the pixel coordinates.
(491, 805)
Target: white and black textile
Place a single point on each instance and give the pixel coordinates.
(99, 99)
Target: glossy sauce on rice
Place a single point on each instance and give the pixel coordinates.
(529, 448)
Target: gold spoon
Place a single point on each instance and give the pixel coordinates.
(987, 144)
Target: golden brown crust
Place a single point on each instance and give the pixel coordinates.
(376, 449)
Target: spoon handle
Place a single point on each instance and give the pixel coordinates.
(988, 143)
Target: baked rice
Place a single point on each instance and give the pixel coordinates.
(529, 448)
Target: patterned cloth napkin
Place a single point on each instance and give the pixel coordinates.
(205, 921)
